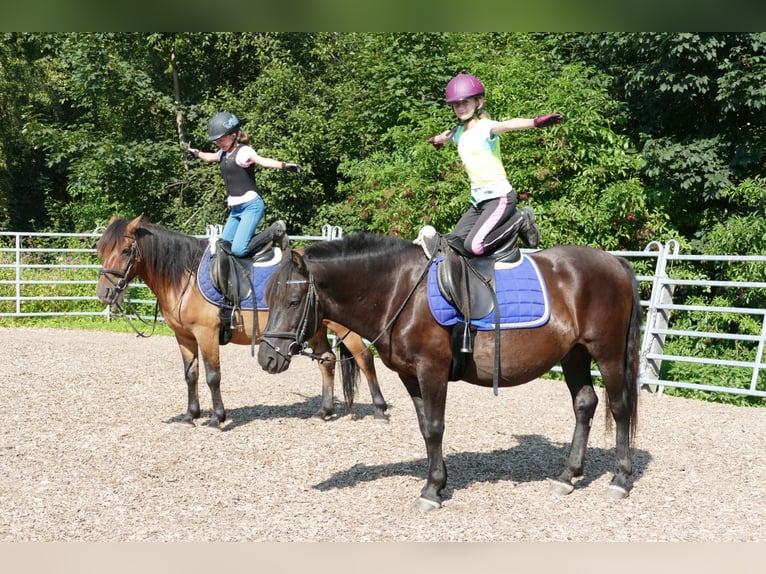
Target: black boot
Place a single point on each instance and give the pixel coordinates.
(279, 238)
(529, 231)
(274, 234)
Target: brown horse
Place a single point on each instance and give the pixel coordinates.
(167, 262)
(595, 315)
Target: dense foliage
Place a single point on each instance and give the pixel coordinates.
(663, 137)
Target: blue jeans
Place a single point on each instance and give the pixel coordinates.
(241, 224)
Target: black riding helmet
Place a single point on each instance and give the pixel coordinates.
(221, 124)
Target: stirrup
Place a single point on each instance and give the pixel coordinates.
(236, 322)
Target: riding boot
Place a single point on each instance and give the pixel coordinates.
(529, 231)
(280, 238)
(219, 265)
(274, 234)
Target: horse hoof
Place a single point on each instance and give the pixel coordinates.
(561, 488)
(323, 416)
(615, 492)
(425, 505)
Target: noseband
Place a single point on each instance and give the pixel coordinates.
(297, 338)
(122, 283)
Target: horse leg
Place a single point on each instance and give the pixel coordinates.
(321, 346)
(576, 368)
(189, 354)
(326, 409)
(211, 358)
(622, 409)
(430, 412)
(366, 362)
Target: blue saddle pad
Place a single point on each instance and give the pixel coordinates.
(521, 296)
(261, 274)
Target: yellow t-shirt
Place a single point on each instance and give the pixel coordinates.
(479, 150)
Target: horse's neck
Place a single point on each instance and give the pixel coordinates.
(343, 305)
(167, 296)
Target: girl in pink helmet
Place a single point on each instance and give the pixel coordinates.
(492, 221)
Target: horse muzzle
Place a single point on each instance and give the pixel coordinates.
(107, 295)
(273, 359)
(108, 290)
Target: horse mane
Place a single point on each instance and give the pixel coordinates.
(366, 246)
(167, 254)
(357, 244)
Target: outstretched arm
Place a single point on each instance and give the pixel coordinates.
(440, 139)
(527, 123)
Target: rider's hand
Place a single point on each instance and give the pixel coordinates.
(432, 141)
(192, 153)
(290, 166)
(548, 120)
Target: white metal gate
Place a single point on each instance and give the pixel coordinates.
(25, 257)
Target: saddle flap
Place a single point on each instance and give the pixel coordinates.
(240, 281)
(231, 276)
(461, 280)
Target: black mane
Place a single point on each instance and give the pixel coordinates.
(357, 244)
(165, 252)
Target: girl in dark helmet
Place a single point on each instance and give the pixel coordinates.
(237, 160)
(492, 220)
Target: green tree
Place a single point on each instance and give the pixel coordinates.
(581, 177)
(695, 104)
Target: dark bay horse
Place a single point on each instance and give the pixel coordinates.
(595, 315)
(167, 262)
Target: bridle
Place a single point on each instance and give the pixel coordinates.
(121, 284)
(123, 281)
(298, 337)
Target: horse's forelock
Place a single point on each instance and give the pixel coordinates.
(112, 235)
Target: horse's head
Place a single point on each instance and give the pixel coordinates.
(294, 313)
(120, 257)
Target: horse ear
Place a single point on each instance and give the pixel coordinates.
(298, 262)
(113, 219)
(133, 225)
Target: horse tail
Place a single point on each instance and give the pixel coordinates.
(349, 370)
(630, 359)
(632, 348)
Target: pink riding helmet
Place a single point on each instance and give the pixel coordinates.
(462, 87)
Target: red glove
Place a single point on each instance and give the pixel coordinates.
(548, 120)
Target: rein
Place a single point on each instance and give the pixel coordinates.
(120, 287)
(298, 337)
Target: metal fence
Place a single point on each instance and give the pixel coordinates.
(42, 274)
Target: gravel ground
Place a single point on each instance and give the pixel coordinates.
(91, 450)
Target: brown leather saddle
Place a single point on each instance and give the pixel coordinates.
(468, 283)
(232, 276)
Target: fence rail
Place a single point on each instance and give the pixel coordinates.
(42, 274)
